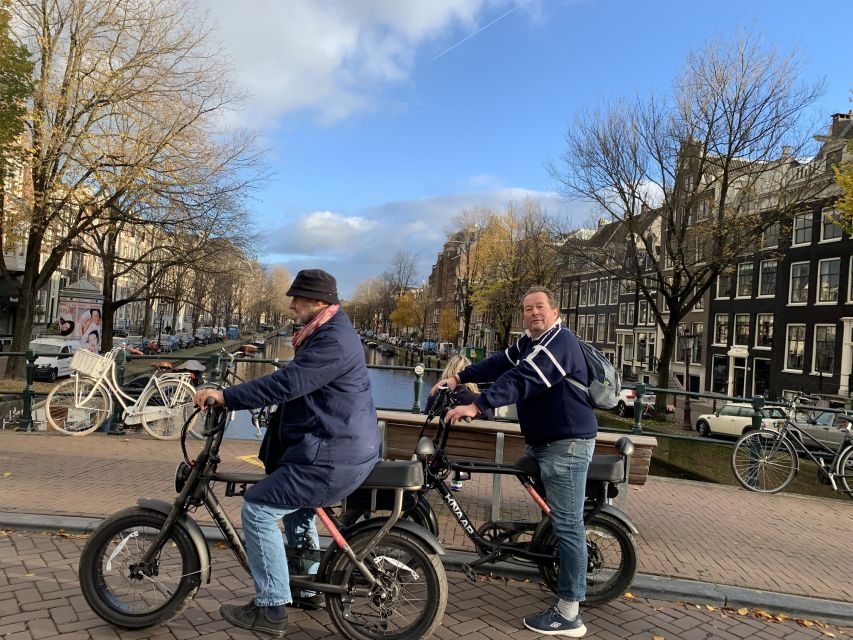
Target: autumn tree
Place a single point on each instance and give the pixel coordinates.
(406, 314)
(844, 180)
(124, 122)
(448, 326)
(713, 164)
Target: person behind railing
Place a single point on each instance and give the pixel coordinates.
(466, 394)
(559, 427)
(319, 448)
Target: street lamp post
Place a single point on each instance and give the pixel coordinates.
(689, 337)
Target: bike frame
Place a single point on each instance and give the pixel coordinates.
(831, 470)
(197, 491)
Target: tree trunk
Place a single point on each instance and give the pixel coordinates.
(24, 312)
(466, 323)
(670, 338)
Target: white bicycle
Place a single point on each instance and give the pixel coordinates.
(80, 405)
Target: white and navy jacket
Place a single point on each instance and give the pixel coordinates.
(531, 373)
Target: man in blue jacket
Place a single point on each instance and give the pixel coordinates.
(559, 426)
(325, 445)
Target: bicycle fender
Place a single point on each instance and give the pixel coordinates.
(192, 529)
(424, 514)
(617, 514)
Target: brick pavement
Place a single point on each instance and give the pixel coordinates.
(714, 533)
(40, 599)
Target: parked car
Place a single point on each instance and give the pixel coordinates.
(170, 343)
(627, 397)
(735, 418)
(827, 427)
(137, 342)
(53, 356)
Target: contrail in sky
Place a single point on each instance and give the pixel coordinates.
(480, 30)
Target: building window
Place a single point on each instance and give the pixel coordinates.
(824, 349)
(828, 276)
(770, 237)
(611, 328)
(698, 331)
(573, 295)
(720, 375)
(602, 292)
(630, 322)
(593, 292)
(644, 313)
(628, 353)
(724, 285)
(721, 329)
(614, 290)
(602, 329)
(628, 286)
(802, 229)
(623, 313)
(796, 344)
(580, 328)
(572, 321)
(767, 278)
(744, 280)
(764, 330)
(742, 328)
(829, 229)
(799, 286)
(583, 294)
(590, 328)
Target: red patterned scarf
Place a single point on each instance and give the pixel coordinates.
(319, 320)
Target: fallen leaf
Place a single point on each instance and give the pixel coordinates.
(658, 638)
(761, 613)
(710, 608)
(829, 634)
(29, 574)
(743, 611)
(781, 617)
(6, 474)
(629, 595)
(806, 623)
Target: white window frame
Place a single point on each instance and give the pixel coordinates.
(764, 235)
(728, 331)
(758, 317)
(760, 281)
(791, 284)
(737, 281)
(748, 327)
(717, 295)
(614, 291)
(794, 242)
(601, 327)
(788, 328)
(818, 301)
(602, 294)
(823, 215)
(814, 370)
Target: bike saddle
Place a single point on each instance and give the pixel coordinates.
(395, 474)
(603, 468)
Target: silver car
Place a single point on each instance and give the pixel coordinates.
(827, 427)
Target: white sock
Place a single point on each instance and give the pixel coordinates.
(568, 609)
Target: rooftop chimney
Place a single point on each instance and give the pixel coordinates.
(786, 151)
(840, 121)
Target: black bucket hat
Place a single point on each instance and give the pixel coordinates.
(315, 284)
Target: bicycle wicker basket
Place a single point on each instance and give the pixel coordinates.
(89, 364)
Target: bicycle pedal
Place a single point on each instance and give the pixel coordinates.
(469, 572)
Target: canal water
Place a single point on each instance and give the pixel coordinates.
(391, 389)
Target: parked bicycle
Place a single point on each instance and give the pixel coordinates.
(612, 551)
(80, 405)
(382, 578)
(259, 417)
(768, 460)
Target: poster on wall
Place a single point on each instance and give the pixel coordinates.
(81, 319)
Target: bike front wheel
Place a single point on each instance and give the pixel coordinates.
(77, 406)
(764, 461)
(611, 559)
(408, 600)
(166, 406)
(123, 590)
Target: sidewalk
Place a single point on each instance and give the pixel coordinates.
(705, 536)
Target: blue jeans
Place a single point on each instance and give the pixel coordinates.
(562, 466)
(265, 548)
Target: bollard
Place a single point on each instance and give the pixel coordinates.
(757, 406)
(26, 422)
(419, 387)
(117, 426)
(215, 370)
(639, 391)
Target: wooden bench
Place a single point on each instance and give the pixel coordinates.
(479, 440)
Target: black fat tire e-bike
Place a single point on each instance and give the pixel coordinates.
(382, 578)
(611, 548)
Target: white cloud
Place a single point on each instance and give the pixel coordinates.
(357, 246)
(332, 59)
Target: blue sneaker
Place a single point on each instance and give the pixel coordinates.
(552, 623)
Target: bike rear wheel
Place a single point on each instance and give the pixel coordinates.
(71, 411)
(845, 468)
(764, 461)
(166, 406)
(611, 559)
(122, 591)
(409, 599)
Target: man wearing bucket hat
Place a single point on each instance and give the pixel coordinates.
(322, 446)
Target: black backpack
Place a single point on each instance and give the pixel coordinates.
(604, 381)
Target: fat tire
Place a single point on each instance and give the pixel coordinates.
(749, 468)
(58, 399)
(338, 569)
(93, 559)
(845, 469)
(596, 594)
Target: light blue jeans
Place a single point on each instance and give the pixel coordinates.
(265, 548)
(563, 465)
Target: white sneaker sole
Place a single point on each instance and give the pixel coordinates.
(580, 632)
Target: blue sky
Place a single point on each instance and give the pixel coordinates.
(385, 118)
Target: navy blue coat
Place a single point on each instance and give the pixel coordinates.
(327, 440)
